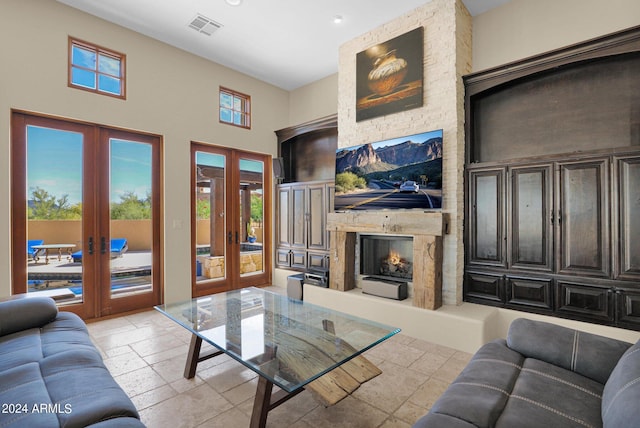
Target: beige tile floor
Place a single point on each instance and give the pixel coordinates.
(146, 352)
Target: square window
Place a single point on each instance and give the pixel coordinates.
(235, 108)
(95, 69)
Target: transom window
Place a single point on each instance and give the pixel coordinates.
(96, 69)
(235, 108)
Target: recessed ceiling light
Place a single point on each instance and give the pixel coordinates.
(233, 2)
(337, 19)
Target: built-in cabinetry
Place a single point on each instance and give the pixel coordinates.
(302, 236)
(304, 195)
(553, 213)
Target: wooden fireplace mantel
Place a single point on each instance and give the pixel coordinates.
(426, 228)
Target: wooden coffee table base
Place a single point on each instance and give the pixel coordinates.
(264, 400)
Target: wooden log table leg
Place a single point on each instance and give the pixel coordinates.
(194, 357)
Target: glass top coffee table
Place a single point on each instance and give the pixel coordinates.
(287, 342)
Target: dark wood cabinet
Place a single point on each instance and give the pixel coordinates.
(534, 293)
(582, 218)
(303, 240)
(585, 301)
(531, 219)
(552, 182)
(486, 217)
(628, 202)
(485, 288)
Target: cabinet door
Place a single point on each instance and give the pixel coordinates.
(530, 293)
(284, 216)
(317, 217)
(531, 245)
(582, 217)
(585, 300)
(628, 308)
(298, 217)
(486, 218)
(628, 176)
(283, 257)
(483, 288)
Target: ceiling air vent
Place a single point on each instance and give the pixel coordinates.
(204, 25)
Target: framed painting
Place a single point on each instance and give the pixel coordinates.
(389, 76)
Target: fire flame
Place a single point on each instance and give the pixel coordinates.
(394, 258)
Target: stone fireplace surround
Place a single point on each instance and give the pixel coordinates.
(426, 228)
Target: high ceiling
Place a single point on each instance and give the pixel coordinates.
(287, 43)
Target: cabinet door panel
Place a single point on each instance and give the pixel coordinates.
(528, 292)
(484, 288)
(486, 223)
(299, 259)
(284, 210)
(588, 301)
(282, 258)
(583, 218)
(628, 307)
(316, 215)
(317, 260)
(629, 226)
(531, 205)
(298, 218)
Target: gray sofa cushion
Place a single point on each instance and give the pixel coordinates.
(22, 314)
(588, 354)
(549, 396)
(621, 397)
(480, 392)
(53, 370)
(67, 332)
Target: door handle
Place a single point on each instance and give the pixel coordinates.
(90, 245)
(103, 245)
(230, 238)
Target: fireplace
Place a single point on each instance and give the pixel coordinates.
(426, 230)
(387, 257)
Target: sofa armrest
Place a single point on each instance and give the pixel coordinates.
(23, 314)
(587, 354)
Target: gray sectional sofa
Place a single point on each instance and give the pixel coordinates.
(52, 375)
(544, 375)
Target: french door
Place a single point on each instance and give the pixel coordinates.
(85, 215)
(231, 218)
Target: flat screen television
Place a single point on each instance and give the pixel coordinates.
(400, 173)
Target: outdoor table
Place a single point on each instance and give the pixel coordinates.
(47, 248)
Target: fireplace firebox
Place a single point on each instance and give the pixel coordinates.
(387, 257)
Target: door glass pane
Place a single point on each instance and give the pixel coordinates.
(251, 217)
(131, 224)
(54, 214)
(210, 216)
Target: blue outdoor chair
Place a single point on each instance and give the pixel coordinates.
(118, 248)
(30, 250)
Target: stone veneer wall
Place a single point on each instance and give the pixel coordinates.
(447, 57)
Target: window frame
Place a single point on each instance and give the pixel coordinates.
(99, 50)
(246, 113)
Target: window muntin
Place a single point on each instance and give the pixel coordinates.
(96, 69)
(235, 108)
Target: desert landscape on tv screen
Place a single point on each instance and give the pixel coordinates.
(399, 173)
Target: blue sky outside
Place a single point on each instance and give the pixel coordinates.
(107, 67)
(54, 163)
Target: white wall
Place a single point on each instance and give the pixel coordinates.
(169, 92)
(522, 28)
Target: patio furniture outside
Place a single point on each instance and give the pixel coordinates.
(45, 249)
(118, 248)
